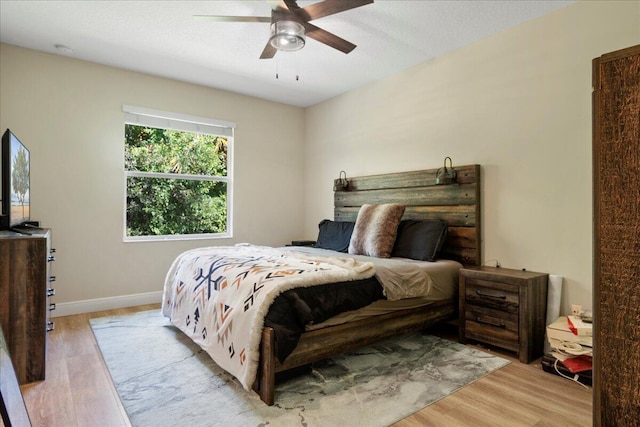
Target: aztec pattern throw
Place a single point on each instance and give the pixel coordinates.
(219, 296)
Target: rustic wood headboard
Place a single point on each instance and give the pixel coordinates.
(458, 204)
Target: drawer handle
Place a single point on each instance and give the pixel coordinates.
(52, 278)
(51, 258)
(50, 326)
(51, 292)
(488, 322)
(52, 306)
(482, 294)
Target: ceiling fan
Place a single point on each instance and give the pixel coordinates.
(290, 24)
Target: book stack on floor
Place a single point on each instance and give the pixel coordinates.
(571, 341)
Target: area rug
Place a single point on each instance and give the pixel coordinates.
(164, 379)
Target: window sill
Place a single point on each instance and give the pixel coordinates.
(175, 237)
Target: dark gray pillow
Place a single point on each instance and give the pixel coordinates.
(420, 240)
(334, 235)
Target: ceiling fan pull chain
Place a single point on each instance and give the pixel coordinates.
(277, 62)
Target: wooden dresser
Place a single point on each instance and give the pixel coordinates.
(505, 308)
(25, 278)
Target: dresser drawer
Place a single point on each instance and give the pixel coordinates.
(495, 295)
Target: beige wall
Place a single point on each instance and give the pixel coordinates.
(517, 103)
(69, 114)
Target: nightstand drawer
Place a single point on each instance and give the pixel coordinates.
(492, 326)
(492, 318)
(495, 295)
(492, 335)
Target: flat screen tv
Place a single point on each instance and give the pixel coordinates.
(16, 182)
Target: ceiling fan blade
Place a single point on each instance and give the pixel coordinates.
(216, 18)
(328, 38)
(268, 52)
(329, 7)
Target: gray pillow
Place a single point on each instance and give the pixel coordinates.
(420, 240)
(375, 231)
(334, 235)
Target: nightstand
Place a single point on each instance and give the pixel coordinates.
(505, 308)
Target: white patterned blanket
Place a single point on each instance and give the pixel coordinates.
(219, 296)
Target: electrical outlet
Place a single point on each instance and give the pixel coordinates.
(576, 310)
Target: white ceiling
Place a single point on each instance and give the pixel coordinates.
(163, 38)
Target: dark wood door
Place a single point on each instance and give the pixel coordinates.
(616, 199)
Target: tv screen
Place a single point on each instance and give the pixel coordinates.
(15, 181)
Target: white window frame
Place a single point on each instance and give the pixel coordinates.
(141, 116)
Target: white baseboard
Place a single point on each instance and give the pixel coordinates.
(99, 304)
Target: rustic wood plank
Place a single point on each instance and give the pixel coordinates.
(459, 216)
(322, 343)
(441, 195)
(462, 237)
(420, 178)
(266, 378)
(466, 256)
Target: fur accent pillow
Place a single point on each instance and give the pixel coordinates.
(375, 231)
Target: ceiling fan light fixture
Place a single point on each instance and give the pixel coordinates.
(287, 35)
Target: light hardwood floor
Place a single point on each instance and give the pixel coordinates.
(78, 391)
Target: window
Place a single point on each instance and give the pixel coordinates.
(178, 172)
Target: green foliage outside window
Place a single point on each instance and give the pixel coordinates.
(195, 201)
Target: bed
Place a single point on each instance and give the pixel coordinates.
(364, 322)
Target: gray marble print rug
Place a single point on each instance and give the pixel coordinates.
(164, 379)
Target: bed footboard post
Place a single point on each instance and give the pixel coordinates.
(266, 378)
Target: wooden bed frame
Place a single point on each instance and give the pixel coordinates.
(458, 204)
